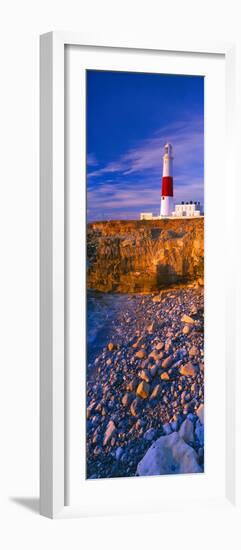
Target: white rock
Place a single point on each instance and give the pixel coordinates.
(186, 431)
(169, 455)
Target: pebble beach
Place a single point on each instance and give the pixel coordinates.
(145, 384)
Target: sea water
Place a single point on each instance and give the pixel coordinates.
(103, 311)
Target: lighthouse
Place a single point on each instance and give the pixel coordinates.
(167, 182)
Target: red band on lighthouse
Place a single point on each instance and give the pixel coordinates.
(167, 186)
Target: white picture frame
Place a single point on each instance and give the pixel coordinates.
(52, 263)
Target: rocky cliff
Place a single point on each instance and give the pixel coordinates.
(144, 256)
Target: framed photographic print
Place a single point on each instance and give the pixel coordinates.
(145, 274)
(137, 174)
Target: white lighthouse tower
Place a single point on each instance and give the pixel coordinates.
(167, 182)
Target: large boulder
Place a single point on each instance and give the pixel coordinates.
(169, 455)
(186, 431)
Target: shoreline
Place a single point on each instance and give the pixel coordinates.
(148, 383)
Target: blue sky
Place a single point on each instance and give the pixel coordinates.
(130, 117)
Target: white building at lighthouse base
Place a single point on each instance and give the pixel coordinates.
(185, 209)
(189, 209)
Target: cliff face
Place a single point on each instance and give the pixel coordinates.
(144, 256)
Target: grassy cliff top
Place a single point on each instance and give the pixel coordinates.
(163, 223)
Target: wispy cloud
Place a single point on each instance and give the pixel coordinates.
(128, 184)
(187, 140)
(127, 200)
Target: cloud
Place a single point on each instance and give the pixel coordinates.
(131, 183)
(127, 200)
(187, 140)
